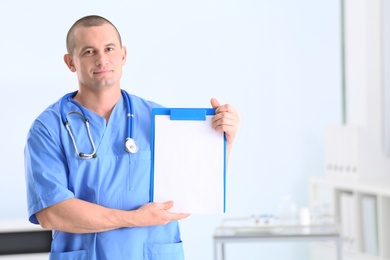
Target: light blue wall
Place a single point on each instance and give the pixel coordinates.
(277, 62)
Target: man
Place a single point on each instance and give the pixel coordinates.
(97, 202)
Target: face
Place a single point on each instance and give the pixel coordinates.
(97, 58)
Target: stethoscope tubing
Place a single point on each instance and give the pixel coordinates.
(130, 145)
(130, 115)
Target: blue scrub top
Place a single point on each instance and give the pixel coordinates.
(115, 179)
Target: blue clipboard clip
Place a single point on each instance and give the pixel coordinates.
(188, 114)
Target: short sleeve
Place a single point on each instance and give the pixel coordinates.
(45, 170)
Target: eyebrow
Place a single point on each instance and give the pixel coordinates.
(110, 45)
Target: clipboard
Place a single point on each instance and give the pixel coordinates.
(188, 161)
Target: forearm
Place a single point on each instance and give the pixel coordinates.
(78, 216)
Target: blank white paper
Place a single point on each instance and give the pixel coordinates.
(189, 165)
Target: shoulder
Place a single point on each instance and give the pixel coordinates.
(49, 119)
(142, 103)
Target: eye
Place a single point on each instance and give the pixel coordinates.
(88, 52)
(109, 49)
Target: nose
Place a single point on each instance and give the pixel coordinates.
(101, 59)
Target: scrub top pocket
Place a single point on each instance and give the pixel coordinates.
(164, 251)
(74, 255)
(139, 171)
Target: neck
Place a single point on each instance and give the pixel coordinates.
(100, 102)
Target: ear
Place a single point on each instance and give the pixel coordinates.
(69, 62)
(124, 55)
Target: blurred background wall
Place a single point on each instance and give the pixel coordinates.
(278, 62)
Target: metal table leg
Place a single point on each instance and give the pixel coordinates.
(338, 248)
(222, 245)
(223, 251)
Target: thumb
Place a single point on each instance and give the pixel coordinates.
(214, 103)
(167, 205)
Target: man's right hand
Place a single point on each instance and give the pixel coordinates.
(157, 213)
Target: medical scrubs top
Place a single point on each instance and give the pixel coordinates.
(114, 179)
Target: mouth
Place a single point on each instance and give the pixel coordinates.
(102, 72)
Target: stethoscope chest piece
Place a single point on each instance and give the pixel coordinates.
(131, 146)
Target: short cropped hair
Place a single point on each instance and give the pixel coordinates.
(86, 21)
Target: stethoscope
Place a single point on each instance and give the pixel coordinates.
(130, 145)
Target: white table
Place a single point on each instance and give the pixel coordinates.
(253, 233)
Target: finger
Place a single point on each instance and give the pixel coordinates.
(178, 216)
(226, 108)
(214, 103)
(225, 118)
(223, 121)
